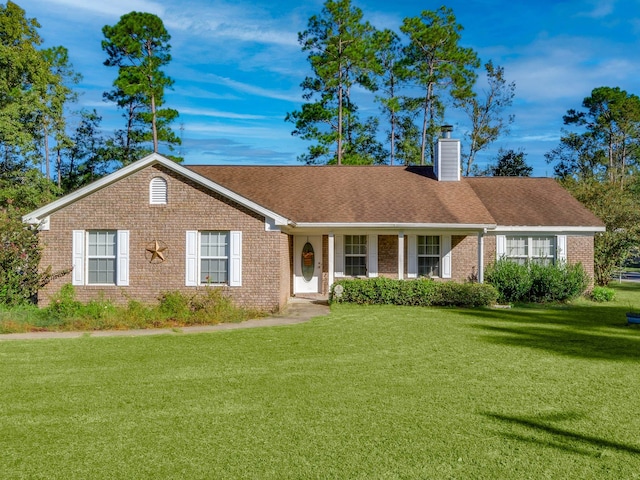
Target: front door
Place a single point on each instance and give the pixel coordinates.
(307, 264)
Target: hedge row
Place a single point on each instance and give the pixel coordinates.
(421, 292)
(537, 283)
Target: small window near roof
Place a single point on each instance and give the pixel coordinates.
(158, 191)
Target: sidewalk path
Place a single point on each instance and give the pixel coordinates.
(298, 310)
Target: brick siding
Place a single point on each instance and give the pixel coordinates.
(266, 270)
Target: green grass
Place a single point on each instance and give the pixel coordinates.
(368, 392)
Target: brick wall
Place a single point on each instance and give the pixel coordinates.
(388, 256)
(464, 257)
(125, 205)
(581, 250)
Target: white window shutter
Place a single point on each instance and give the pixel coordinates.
(339, 255)
(561, 248)
(445, 245)
(501, 246)
(191, 260)
(122, 261)
(372, 256)
(235, 259)
(412, 256)
(78, 245)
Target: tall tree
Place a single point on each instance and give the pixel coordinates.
(390, 57)
(436, 62)
(510, 163)
(486, 114)
(139, 46)
(341, 51)
(56, 93)
(612, 119)
(22, 69)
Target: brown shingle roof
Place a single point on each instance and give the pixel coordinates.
(517, 201)
(385, 194)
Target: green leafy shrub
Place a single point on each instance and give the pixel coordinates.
(175, 305)
(537, 283)
(64, 304)
(420, 292)
(602, 294)
(512, 280)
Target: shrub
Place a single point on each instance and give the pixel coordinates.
(420, 292)
(512, 280)
(602, 294)
(63, 305)
(537, 283)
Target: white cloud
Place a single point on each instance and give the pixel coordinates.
(254, 89)
(600, 9)
(108, 8)
(207, 112)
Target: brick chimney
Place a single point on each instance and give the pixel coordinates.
(447, 162)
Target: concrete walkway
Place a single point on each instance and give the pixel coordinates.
(298, 310)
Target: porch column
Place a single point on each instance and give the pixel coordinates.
(481, 257)
(331, 258)
(401, 255)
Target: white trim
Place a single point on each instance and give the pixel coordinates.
(501, 246)
(548, 229)
(445, 251)
(383, 225)
(412, 256)
(401, 255)
(235, 259)
(77, 255)
(122, 258)
(480, 257)
(153, 159)
(561, 248)
(331, 254)
(372, 255)
(191, 258)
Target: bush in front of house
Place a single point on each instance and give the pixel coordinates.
(206, 306)
(511, 279)
(537, 283)
(602, 294)
(421, 292)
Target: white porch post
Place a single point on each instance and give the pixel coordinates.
(331, 255)
(401, 255)
(480, 257)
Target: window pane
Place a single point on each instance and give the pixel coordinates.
(542, 247)
(102, 271)
(429, 266)
(355, 266)
(517, 246)
(213, 271)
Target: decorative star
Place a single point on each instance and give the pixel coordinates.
(156, 251)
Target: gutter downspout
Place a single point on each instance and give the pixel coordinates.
(481, 255)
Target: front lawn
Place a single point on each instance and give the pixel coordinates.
(368, 392)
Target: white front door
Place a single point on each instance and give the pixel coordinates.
(307, 264)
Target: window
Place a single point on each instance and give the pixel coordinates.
(355, 255)
(428, 255)
(214, 257)
(158, 191)
(521, 249)
(100, 257)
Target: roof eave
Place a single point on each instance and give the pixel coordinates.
(41, 213)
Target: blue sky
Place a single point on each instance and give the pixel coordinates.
(237, 65)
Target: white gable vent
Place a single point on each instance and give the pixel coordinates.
(158, 191)
(447, 161)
